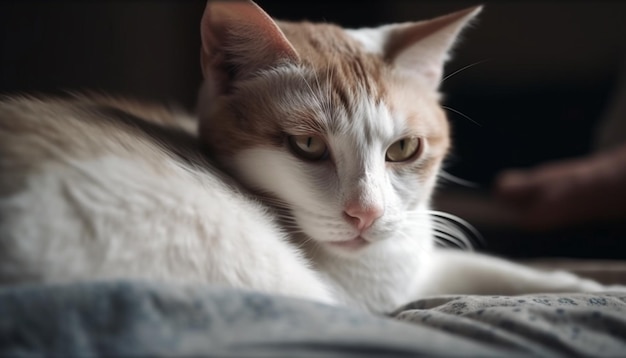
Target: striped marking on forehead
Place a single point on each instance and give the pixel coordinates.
(338, 60)
(342, 109)
(307, 102)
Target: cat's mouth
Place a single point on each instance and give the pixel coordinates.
(353, 244)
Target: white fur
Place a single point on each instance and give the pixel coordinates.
(112, 217)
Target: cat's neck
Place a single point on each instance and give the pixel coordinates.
(370, 279)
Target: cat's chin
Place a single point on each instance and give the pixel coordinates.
(355, 244)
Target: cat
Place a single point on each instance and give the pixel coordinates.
(350, 149)
(307, 172)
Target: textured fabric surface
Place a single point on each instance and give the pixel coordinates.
(139, 319)
(547, 325)
(147, 319)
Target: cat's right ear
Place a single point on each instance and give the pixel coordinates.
(238, 39)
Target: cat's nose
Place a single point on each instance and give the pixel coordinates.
(362, 216)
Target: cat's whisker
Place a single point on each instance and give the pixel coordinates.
(444, 238)
(456, 219)
(461, 229)
(454, 179)
(445, 242)
(461, 114)
(284, 215)
(463, 69)
(291, 227)
(452, 225)
(452, 236)
(307, 243)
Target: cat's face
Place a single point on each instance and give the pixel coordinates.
(336, 126)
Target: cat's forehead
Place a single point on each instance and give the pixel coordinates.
(338, 59)
(300, 100)
(354, 78)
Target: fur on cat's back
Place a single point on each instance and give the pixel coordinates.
(102, 188)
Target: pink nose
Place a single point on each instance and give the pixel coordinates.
(362, 217)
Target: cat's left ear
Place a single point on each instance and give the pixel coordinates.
(422, 48)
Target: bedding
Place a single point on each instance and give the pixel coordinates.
(152, 319)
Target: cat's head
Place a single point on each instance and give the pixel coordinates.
(343, 128)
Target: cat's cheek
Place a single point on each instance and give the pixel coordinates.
(291, 181)
(416, 188)
(272, 171)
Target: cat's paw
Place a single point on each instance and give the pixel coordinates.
(566, 281)
(615, 288)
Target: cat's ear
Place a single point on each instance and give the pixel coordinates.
(238, 38)
(422, 48)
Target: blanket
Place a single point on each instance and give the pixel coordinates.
(120, 319)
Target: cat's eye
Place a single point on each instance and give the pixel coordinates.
(308, 147)
(403, 150)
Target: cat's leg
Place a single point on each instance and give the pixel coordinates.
(459, 272)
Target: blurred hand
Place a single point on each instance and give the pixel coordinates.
(567, 193)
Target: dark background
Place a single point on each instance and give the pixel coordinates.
(543, 75)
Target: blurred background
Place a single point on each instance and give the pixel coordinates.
(541, 77)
